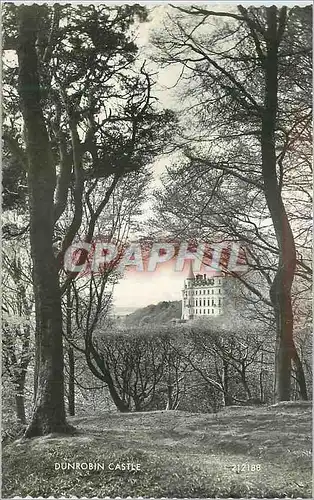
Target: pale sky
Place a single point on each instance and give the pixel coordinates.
(138, 289)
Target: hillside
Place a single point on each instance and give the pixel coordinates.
(157, 314)
(239, 452)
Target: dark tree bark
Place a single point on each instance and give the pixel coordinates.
(20, 399)
(16, 348)
(300, 375)
(98, 368)
(49, 413)
(261, 382)
(20, 408)
(225, 377)
(280, 292)
(71, 358)
(244, 380)
(71, 385)
(18, 372)
(120, 404)
(169, 396)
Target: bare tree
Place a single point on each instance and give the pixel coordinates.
(17, 307)
(247, 99)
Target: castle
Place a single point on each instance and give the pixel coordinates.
(201, 296)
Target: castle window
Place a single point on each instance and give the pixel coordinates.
(208, 302)
(219, 302)
(195, 311)
(212, 311)
(204, 302)
(219, 291)
(212, 291)
(204, 311)
(207, 292)
(213, 302)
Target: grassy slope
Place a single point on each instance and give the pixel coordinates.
(160, 314)
(181, 455)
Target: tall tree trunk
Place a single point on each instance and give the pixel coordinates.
(228, 401)
(49, 412)
(20, 399)
(300, 375)
(71, 358)
(20, 408)
(137, 403)
(261, 383)
(244, 380)
(120, 404)
(280, 292)
(71, 386)
(98, 368)
(169, 405)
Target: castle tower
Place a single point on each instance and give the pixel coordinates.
(187, 294)
(202, 295)
(190, 276)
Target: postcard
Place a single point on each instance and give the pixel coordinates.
(157, 250)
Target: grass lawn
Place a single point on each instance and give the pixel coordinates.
(180, 455)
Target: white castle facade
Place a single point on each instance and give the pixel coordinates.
(202, 296)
